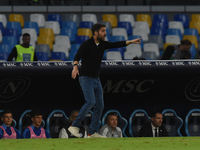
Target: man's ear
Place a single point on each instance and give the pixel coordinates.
(32, 119)
(1, 118)
(95, 33)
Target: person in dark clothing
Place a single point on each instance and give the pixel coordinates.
(64, 133)
(182, 51)
(23, 52)
(91, 52)
(155, 127)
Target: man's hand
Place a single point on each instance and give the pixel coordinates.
(135, 41)
(75, 72)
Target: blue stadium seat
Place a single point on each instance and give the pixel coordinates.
(87, 121)
(183, 18)
(122, 122)
(160, 18)
(104, 55)
(32, 25)
(25, 120)
(10, 40)
(127, 26)
(120, 49)
(58, 56)
(70, 33)
(55, 121)
(158, 31)
(55, 17)
(14, 25)
(86, 24)
(42, 56)
(116, 38)
(5, 48)
(74, 49)
(131, 37)
(192, 123)
(193, 51)
(81, 39)
(192, 31)
(172, 31)
(172, 122)
(4, 56)
(138, 119)
(12, 32)
(2, 28)
(70, 25)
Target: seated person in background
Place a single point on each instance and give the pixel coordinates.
(64, 133)
(23, 52)
(155, 127)
(182, 51)
(6, 130)
(110, 129)
(35, 130)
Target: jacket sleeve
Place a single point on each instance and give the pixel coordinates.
(115, 44)
(81, 51)
(13, 54)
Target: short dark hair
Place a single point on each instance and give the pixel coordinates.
(153, 115)
(97, 27)
(71, 114)
(5, 112)
(186, 42)
(111, 114)
(35, 113)
(26, 34)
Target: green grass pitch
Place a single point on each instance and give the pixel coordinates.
(164, 143)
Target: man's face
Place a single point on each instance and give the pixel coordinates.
(157, 121)
(112, 121)
(73, 117)
(101, 35)
(26, 40)
(37, 120)
(7, 119)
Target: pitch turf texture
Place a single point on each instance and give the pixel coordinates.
(168, 143)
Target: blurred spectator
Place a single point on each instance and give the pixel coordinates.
(64, 133)
(181, 51)
(110, 129)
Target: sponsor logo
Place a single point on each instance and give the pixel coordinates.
(139, 128)
(192, 90)
(56, 129)
(58, 115)
(139, 114)
(194, 63)
(9, 64)
(168, 128)
(43, 64)
(169, 114)
(88, 115)
(112, 63)
(195, 114)
(195, 128)
(127, 63)
(60, 64)
(145, 63)
(12, 88)
(162, 63)
(125, 86)
(26, 64)
(178, 63)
